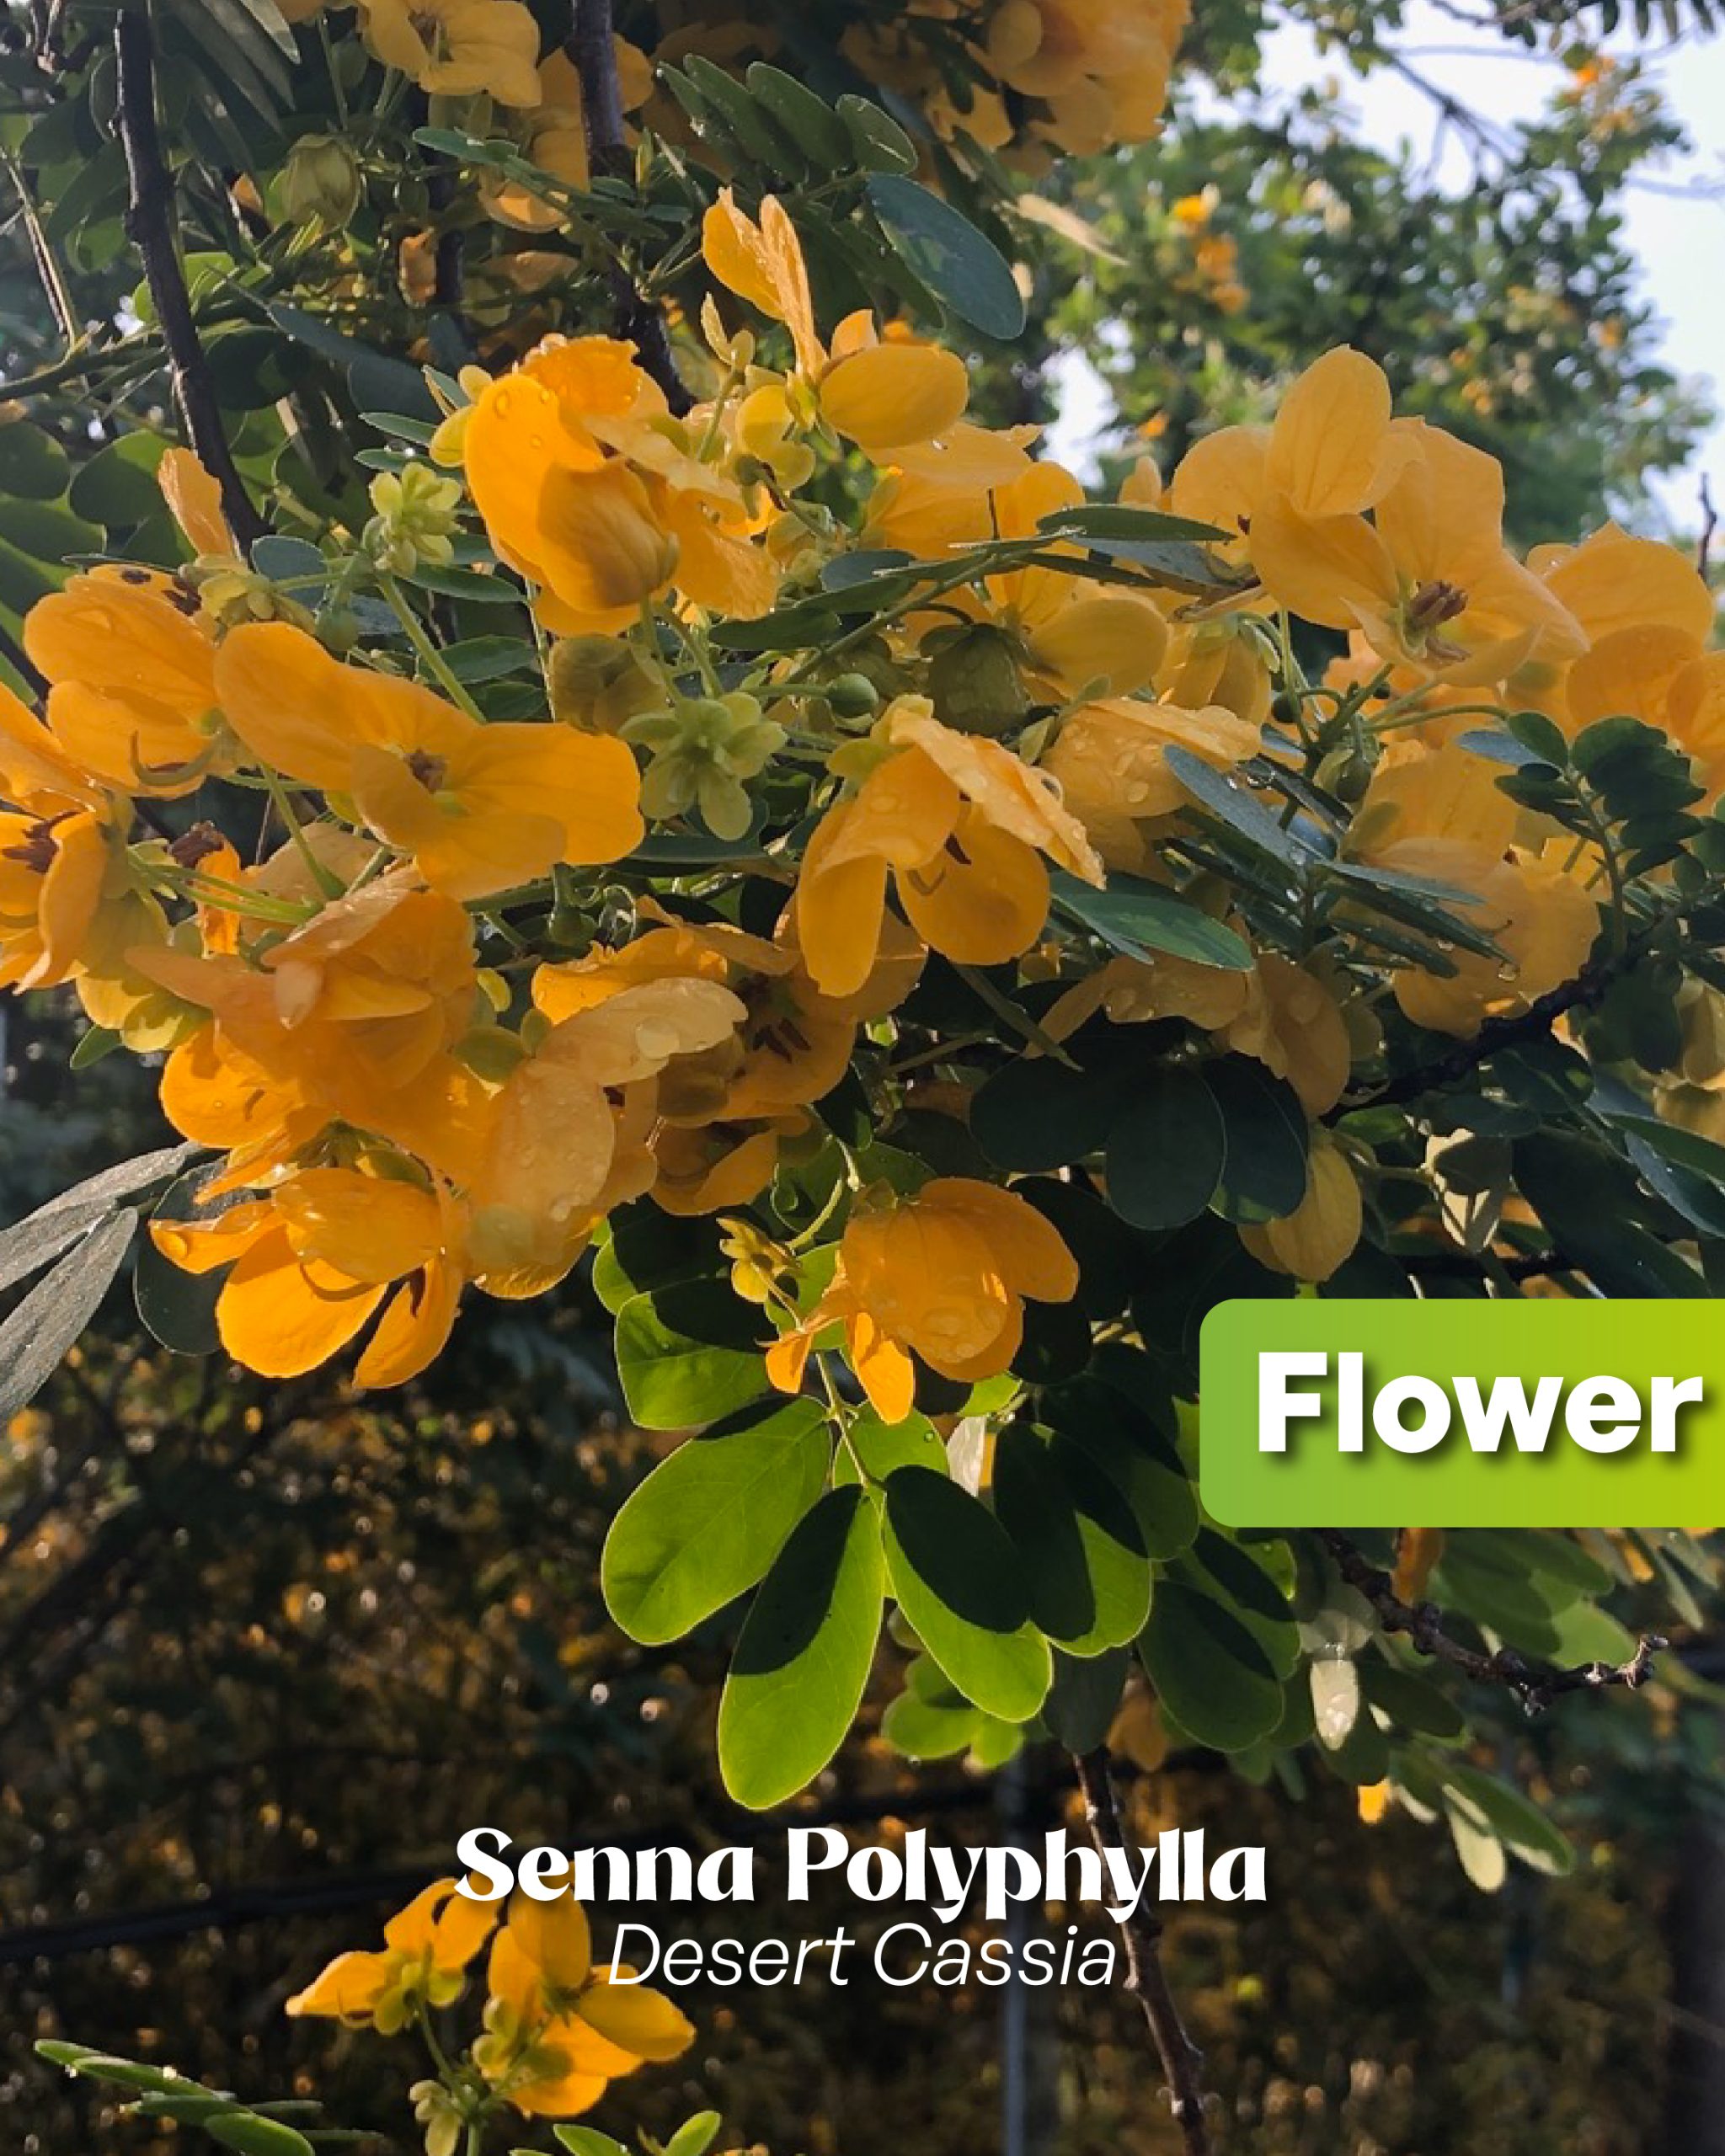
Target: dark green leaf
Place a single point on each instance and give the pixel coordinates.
(803, 1657)
(959, 1581)
(967, 272)
(1138, 919)
(1208, 1670)
(1166, 1153)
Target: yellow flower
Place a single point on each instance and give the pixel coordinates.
(1439, 814)
(558, 2028)
(479, 808)
(458, 47)
(942, 1276)
(131, 661)
(592, 491)
(1110, 759)
(1101, 70)
(426, 1946)
(879, 395)
(961, 825)
(351, 1009)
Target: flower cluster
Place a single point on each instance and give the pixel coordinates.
(1026, 76)
(446, 987)
(558, 2028)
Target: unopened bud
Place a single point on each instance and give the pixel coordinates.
(975, 685)
(320, 183)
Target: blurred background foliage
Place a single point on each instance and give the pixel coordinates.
(266, 1650)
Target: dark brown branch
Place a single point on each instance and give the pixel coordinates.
(150, 225)
(1140, 1933)
(1534, 1023)
(1710, 525)
(591, 45)
(1535, 1685)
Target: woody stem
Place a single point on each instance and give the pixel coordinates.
(150, 225)
(591, 45)
(1140, 1933)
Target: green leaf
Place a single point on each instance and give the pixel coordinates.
(708, 1522)
(686, 1355)
(801, 1664)
(253, 2136)
(48, 532)
(1412, 1700)
(1572, 1186)
(960, 1583)
(1264, 1168)
(1034, 1114)
(1166, 1154)
(1138, 919)
(921, 1729)
(33, 464)
(57, 1309)
(810, 122)
(1236, 805)
(582, 2141)
(1084, 1697)
(377, 383)
(1121, 521)
(1208, 1670)
(1085, 1574)
(642, 1247)
(695, 2136)
(1512, 1818)
(967, 272)
(1116, 1433)
(176, 1307)
(885, 1447)
(881, 145)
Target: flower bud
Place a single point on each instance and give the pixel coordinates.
(320, 183)
(416, 519)
(852, 696)
(975, 683)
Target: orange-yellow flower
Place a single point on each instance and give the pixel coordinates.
(593, 492)
(129, 660)
(557, 2027)
(1111, 761)
(880, 395)
(942, 1276)
(1439, 814)
(961, 825)
(351, 1009)
(427, 1947)
(477, 806)
(458, 47)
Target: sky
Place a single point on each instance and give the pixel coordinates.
(1679, 239)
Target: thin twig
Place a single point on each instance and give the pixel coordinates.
(591, 45)
(150, 225)
(1710, 525)
(1535, 1684)
(1140, 1933)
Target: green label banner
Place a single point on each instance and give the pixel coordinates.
(1462, 1414)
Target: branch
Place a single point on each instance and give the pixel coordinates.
(1710, 525)
(1140, 1931)
(1536, 1685)
(150, 225)
(591, 45)
(1534, 1023)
